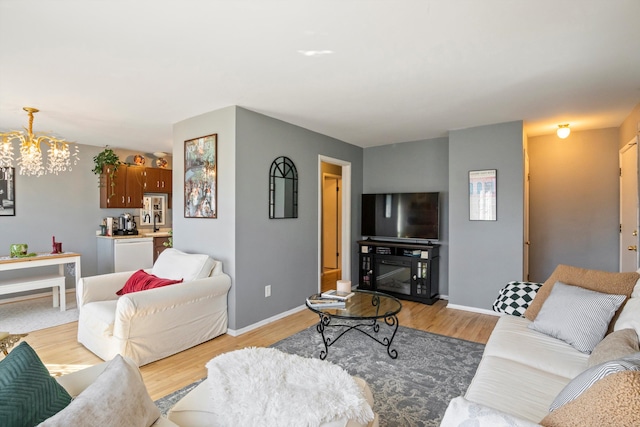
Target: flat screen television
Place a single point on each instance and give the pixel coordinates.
(401, 215)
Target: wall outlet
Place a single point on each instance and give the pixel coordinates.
(267, 291)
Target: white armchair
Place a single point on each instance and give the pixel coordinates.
(152, 324)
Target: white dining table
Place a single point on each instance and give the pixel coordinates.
(8, 263)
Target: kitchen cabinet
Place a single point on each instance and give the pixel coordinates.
(158, 180)
(158, 246)
(124, 190)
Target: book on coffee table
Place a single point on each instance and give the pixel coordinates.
(337, 295)
(318, 301)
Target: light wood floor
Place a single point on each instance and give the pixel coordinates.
(58, 349)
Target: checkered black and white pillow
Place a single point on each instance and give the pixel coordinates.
(515, 298)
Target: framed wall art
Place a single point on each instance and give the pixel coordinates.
(7, 192)
(483, 194)
(200, 177)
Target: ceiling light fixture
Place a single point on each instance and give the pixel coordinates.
(30, 160)
(563, 131)
(315, 52)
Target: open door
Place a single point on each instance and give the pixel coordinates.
(629, 206)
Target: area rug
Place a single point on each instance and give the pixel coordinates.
(31, 315)
(410, 391)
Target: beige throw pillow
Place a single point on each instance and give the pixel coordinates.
(614, 346)
(595, 280)
(611, 401)
(117, 397)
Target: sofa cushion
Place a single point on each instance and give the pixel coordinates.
(174, 264)
(576, 315)
(28, 393)
(595, 280)
(141, 280)
(559, 359)
(612, 401)
(585, 380)
(515, 297)
(117, 397)
(614, 346)
(463, 412)
(629, 317)
(514, 388)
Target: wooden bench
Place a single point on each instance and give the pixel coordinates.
(52, 281)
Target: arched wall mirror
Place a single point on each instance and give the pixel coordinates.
(283, 189)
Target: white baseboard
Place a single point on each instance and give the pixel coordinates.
(473, 309)
(236, 332)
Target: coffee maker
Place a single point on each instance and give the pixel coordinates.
(126, 225)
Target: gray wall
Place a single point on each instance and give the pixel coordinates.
(66, 206)
(485, 255)
(414, 167)
(574, 201)
(282, 253)
(255, 250)
(214, 237)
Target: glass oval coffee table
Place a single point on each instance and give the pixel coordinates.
(365, 311)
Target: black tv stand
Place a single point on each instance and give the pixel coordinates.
(405, 270)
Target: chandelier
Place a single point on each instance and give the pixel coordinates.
(59, 156)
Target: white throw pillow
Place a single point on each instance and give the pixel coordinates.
(176, 265)
(629, 316)
(576, 315)
(117, 397)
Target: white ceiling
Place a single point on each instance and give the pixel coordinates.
(122, 72)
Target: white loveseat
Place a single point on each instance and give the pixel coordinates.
(522, 372)
(152, 324)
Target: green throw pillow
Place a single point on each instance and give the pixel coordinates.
(28, 394)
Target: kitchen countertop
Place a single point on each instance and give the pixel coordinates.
(141, 234)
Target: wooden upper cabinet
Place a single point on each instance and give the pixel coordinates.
(124, 190)
(158, 180)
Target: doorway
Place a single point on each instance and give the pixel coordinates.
(629, 206)
(334, 222)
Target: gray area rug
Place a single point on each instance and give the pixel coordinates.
(410, 391)
(34, 314)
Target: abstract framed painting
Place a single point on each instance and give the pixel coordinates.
(200, 177)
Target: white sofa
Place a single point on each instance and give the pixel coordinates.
(522, 371)
(152, 324)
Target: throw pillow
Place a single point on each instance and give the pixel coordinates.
(614, 346)
(595, 280)
(117, 397)
(629, 317)
(141, 280)
(578, 316)
(515, 298)
(612, 401)
(28, 394)
(588, 378)
(175, 264)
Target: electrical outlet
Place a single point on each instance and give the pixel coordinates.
(267, 291)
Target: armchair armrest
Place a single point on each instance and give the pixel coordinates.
(160, 299)
(101, 288)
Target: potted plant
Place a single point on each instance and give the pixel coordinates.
(106, 157)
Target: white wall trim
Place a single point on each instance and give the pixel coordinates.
(346, 216)
(474, 309)
(236, 332)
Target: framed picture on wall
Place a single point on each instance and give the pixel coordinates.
(7, 192)
(200, 177)
(483, 194)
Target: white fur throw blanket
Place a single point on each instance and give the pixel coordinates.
(266, 387)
